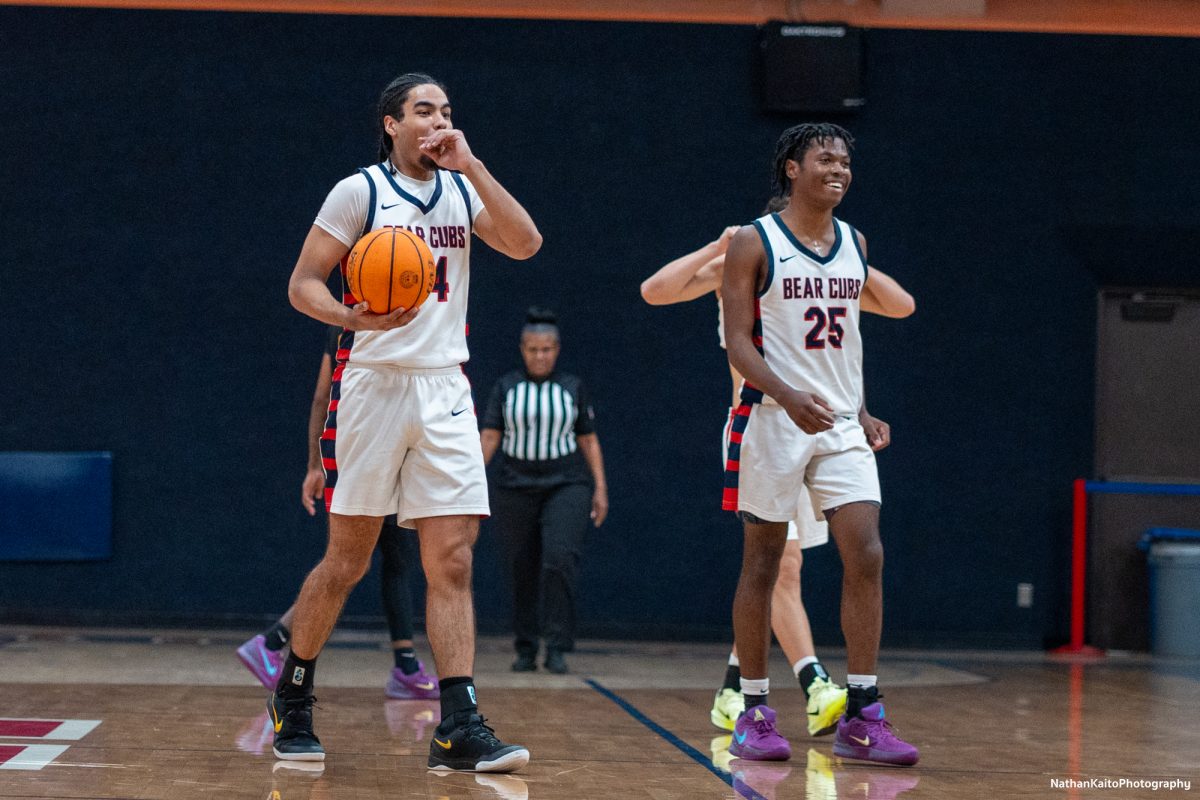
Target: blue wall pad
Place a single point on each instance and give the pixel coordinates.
(55, 506)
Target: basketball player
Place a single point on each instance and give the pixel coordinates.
(695, 275)
(263, 654)
(792, 291)
(401, 437)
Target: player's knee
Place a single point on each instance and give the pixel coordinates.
(345, 573)
(761, 571)
(452, 570)
(789, 577)
(790, 563)
(867, 562)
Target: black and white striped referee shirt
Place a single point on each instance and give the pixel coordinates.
(540, 421)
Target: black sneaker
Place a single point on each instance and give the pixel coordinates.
(555, 662)
(294, 737)
(473, 747)
(526, 662)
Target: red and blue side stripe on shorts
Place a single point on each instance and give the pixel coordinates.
(737, 428)
(739, 419)
(329, 435)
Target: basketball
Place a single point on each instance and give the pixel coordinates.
(390, 268)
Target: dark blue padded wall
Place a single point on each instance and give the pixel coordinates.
(55, 506)
(164, 168)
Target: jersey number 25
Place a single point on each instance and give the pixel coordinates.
(816, 315)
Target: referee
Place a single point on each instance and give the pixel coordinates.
(549, 484)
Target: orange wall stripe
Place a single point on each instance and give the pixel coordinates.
(1131, 17)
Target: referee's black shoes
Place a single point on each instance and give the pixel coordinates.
(526, 662)
(555, 662)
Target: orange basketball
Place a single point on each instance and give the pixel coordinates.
(390, 268)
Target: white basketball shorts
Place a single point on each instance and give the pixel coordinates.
(405, 442)
(806, 526)
(771, 461)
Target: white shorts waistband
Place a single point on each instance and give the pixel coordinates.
(399, 368)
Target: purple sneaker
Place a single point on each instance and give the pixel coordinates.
(870, 738)
(264, 663)
(756, 739)
(418, 686)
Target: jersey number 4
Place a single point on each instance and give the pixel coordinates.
(442, 286)
(815, 340)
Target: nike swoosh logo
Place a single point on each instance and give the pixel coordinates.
(386, 207)
(456, 413)
(268, 666)
(789, 258)
(444, 745)
(864, 742)
(278, 722)
(741, 738)
(424, 685)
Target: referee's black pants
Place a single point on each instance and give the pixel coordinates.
(543, 532)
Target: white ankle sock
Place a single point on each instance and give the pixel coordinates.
(865, 681)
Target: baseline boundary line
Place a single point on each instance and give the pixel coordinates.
(679, 744)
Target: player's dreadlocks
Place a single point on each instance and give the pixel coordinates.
(794, 143)
(776, 204)
(391, 104)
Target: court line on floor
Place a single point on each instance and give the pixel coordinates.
(673, 740)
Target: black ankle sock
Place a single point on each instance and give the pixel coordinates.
(405, 659)
(753, 700)
(458, 699)
(277, 636)
(296, 679)
(733, 678)
(809, 673)
(858, 698)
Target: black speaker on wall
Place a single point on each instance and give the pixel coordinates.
(811, 68)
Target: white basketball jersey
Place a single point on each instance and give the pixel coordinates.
(807, 313)
(720, 319)
(438, 336)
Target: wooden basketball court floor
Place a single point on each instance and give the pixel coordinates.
(172, 714)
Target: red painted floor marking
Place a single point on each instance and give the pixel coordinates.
(63, 729)
(9, 751)
(28, 727)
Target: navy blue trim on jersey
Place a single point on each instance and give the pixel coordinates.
(424, 207)
(750, 395)
(466, 199)
(345, 345)
(833, 251)
(756, 331)
(858, 247)
(762, 234)
(370, 203)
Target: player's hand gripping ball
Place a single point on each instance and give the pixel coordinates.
(390, 268)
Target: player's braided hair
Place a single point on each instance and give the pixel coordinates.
(794, 143)
(391, 104)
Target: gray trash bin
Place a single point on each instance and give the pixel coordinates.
(1174, 561)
